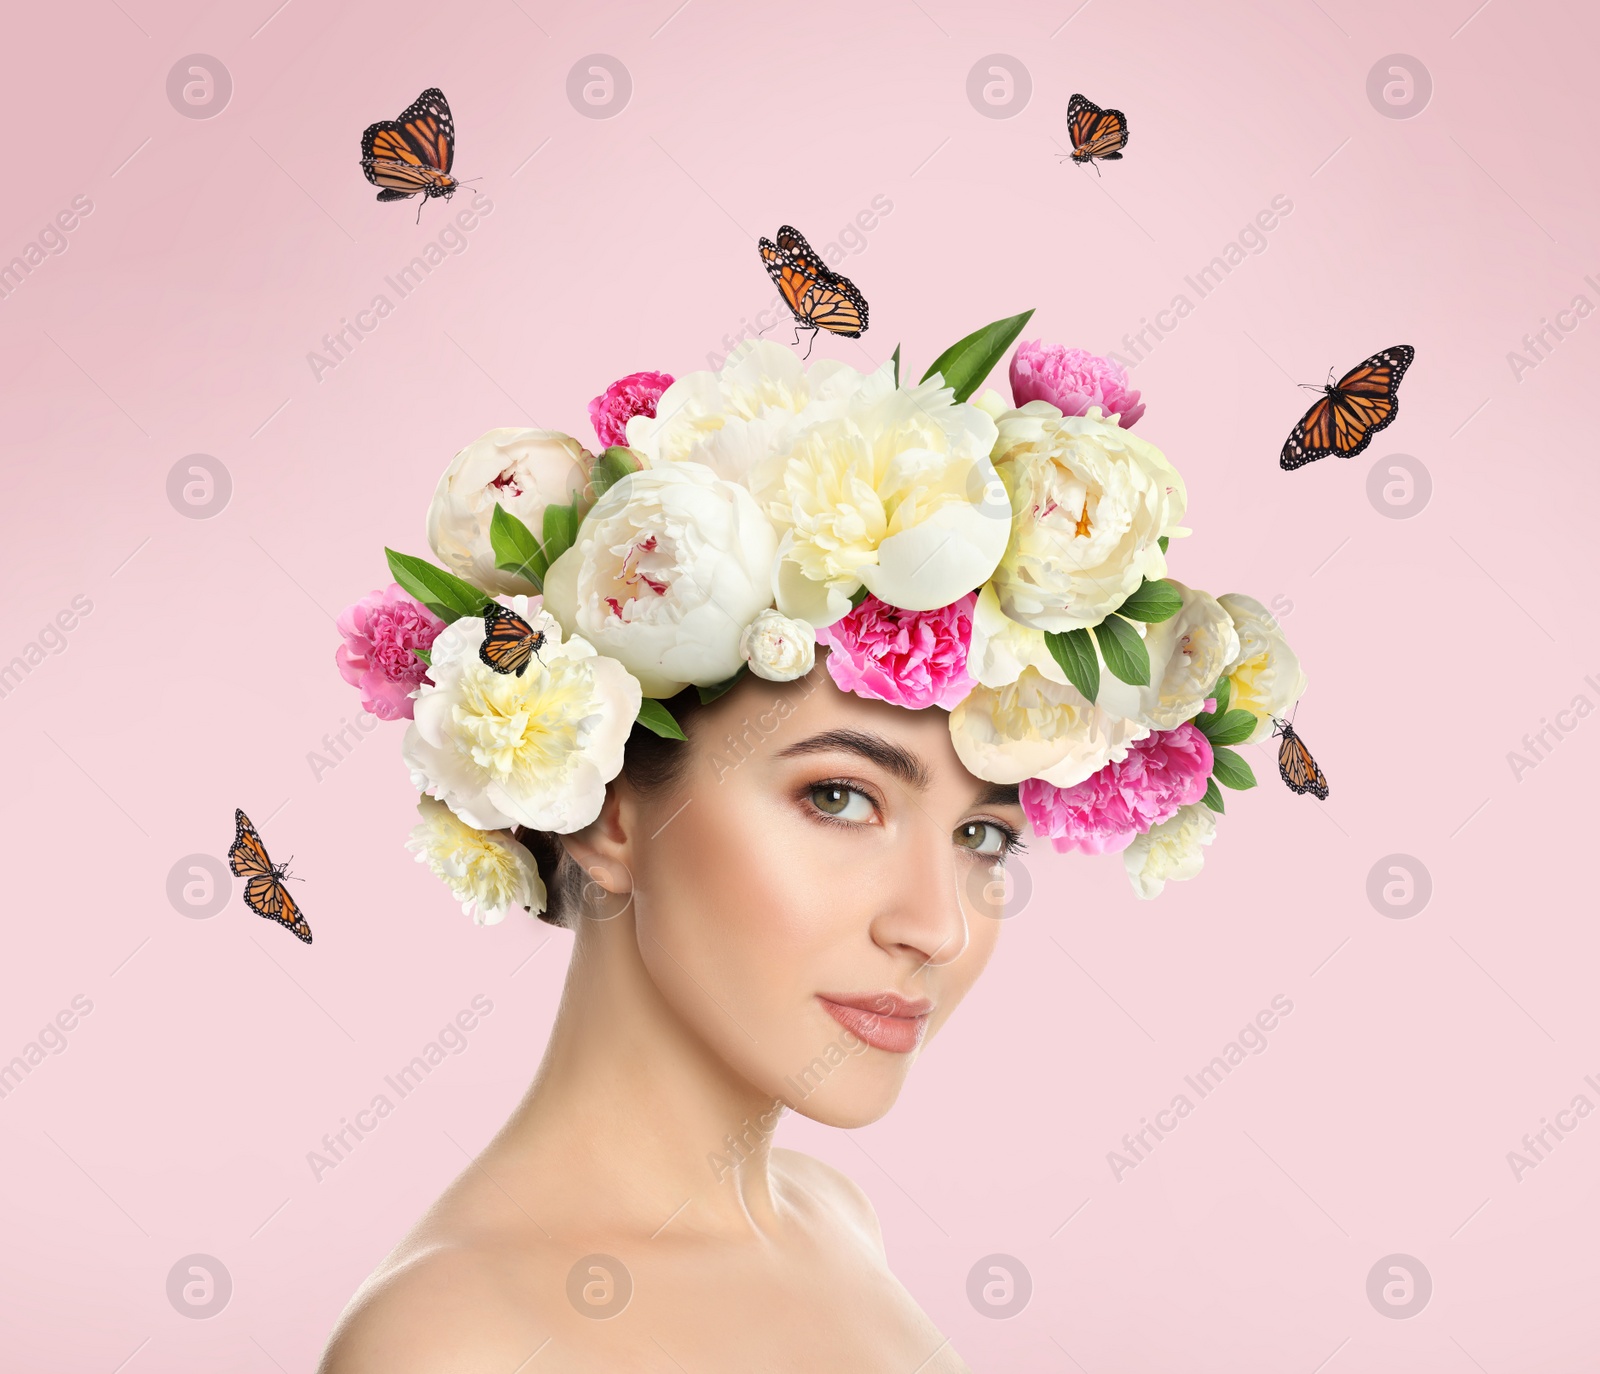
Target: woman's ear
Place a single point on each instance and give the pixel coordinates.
(604, 849)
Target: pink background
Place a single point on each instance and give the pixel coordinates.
(219, 251)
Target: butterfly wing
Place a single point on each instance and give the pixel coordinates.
(801, 253)
(247, 856)
(408, 155)
(267, 896)
(508, 640)
(264, 892)
(819, 297)
(1095, 133)
(1297, 768)
(1363, 401)
(835, 304)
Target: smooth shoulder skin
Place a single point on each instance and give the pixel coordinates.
(448, 1301)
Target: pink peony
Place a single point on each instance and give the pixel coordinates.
(1072, 381)
(380, 631)
(907, 658)
(633, 395)
(1103, 813)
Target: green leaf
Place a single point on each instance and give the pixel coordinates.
(1163, 541)
(1213, 796)
(1232, 771)
(515, 548)
(716, 689)
(896, 356)
(1223, 691)
(443, 593)
(1232, 727)
(1123, 651)
(560, 529)
(858, 596)
(1152, 602)
(1074, 651)
(610, 468)
(424, 655)
(656, 718)
(965, 364)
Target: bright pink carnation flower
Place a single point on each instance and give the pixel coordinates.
(1103, 813)
(907, 658)
(380, 631)
(633, 395)
(1072, 381)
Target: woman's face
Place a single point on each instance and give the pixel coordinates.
(821, 889)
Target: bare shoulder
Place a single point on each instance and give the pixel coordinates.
(443, 1309)
(834, 1189)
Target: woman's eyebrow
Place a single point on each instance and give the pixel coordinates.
(1000, 794)
(891, 757)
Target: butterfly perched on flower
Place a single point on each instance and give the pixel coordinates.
(1095, 133)
(1351, 411)
(508, 640)
(819, 297)
(264, 892)
(1295, 764)
(413, 155)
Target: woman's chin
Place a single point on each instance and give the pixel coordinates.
(849, 1105)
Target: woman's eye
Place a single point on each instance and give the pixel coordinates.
(844, 803)
(983, 837)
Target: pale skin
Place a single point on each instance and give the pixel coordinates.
(847, 852)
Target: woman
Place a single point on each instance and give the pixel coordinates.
(776, 926)
(809, 649)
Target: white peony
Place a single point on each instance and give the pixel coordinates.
(538, 749)
(523, 470)
(668, 568)
(490, 871)
(1265, 677)
(1089, 502)
(1188, 653)
(1170, 852)
(777, 648)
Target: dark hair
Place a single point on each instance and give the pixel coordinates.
(651, 764)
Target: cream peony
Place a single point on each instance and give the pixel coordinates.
(1170, 852)
(1188, 653)
(777, 648)
(741, 420)
(523, 470)
(1265, 677)
(536, 750)
(668, 569)
(1089, 503)
(1024, 719)
(490, 871)
(898, 496)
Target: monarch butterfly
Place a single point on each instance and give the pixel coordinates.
(412, 155)
(1095, 133)
(1298, 769)
(264, 892)
(1353, 409)
(819, 297)
(508, 640)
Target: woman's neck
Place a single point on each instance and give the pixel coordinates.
(647, 1130)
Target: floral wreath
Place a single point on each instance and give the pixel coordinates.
(1007, 564)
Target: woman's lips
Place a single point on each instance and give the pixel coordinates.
(899, 1034)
